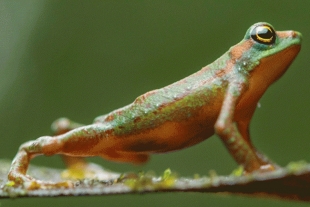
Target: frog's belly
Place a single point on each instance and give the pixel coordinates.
(169, 136)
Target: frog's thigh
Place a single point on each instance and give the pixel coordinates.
(64, 125)
(131, 157)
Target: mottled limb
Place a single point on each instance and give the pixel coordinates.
(64, 125)
(43, 145)
(241, 150)
(243, 128)
(78, 167)
(64, 144)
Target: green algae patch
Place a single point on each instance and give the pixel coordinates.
(238, 171)
(297, 166)
(148, 181)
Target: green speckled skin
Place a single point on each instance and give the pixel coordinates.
(176, 102)
(220, 98)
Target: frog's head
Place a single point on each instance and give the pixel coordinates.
(265, 54)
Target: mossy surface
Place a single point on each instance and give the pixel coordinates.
(291, 182)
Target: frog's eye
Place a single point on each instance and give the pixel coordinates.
(264, 34)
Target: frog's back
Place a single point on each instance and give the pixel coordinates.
(173, 117)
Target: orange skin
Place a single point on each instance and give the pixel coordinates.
(220, 98)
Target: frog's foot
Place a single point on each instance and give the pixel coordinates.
(268, 167)
(79, 169)
(19, 178)
(38, 184)
(30, 183)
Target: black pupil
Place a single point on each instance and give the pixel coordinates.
(264, 35)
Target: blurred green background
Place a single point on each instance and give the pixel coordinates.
(82, 59)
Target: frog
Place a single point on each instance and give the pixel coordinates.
(220, 99)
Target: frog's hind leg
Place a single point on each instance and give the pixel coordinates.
(77, 143)
(61, 126)
(33, 148)
(44, 145)
(64, 125)
(78, 167)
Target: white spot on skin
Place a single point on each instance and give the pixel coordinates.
(258, 105)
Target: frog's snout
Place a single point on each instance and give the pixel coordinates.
(293, 36)
(297, 35)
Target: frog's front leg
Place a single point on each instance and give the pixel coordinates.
(264, 160)
(228, 130)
